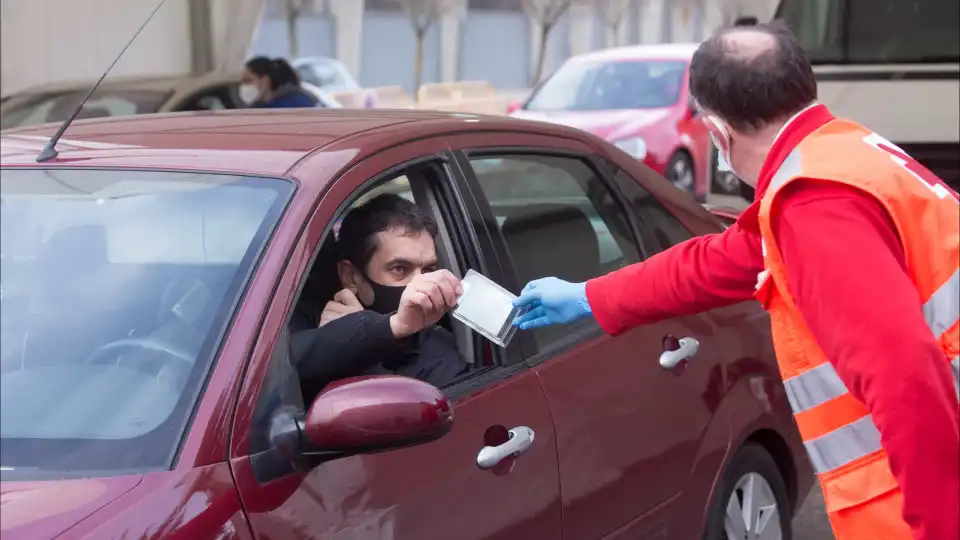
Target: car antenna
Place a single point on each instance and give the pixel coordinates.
(50, 149)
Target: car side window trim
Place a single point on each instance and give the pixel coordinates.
(534, 353)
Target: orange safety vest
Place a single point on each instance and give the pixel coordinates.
(863, 499)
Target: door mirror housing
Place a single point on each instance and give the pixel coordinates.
(374, 414)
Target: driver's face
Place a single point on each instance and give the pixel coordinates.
(398, 259)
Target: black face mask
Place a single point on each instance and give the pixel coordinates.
(386, 298)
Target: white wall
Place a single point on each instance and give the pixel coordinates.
(52, 40)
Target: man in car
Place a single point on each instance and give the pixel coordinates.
(853, 248)
(384, 318)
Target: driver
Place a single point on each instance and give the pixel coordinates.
(384, 318)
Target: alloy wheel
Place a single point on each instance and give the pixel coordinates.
(752, 512)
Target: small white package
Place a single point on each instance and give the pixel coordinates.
(487, 308)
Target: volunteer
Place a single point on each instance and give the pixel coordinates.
(854, 249)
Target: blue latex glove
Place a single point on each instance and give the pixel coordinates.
(551, 301)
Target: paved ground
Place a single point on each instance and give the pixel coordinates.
(811, 522)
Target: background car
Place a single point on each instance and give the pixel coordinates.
(122, 96)
(148, 386)
(330, 75)
(638, 99)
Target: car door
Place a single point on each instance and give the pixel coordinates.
(629, 433)
(432, 491)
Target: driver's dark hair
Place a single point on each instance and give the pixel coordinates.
(277, 70)
(357, 239)
(750, 91)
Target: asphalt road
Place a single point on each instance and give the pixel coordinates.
(811, 521)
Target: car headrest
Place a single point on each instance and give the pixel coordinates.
(552, 240)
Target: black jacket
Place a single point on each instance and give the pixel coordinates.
(362, 343)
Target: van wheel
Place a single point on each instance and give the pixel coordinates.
(752, 503)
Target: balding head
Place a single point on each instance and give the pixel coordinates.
(752, 76)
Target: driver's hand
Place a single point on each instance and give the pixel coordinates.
(424, 301)
(343, 303)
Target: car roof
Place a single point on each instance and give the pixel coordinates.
(160, 83)
(251, 141)
(663, 51)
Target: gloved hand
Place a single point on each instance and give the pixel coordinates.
(551, 301)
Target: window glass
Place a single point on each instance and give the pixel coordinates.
(557, 219)
(581, 85)
(659, 229)
(30, 109)
(875, 31)
(116, 286)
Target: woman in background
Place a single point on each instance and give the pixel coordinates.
(274, 84)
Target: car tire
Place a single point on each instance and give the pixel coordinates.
(752, 476)
(681, 173)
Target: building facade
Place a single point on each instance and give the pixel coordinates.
(493, 40)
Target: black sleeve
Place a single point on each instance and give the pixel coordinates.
(346, 347)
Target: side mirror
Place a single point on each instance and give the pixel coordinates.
(692, 110)
(514, 106)
(375, 414)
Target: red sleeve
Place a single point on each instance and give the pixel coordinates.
(847, 273)
(700, 274)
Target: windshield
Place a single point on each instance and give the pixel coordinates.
(620, 84)
(875, 31)
(31, 109)
(115, 290)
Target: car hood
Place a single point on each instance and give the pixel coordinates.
(609, 125)
(47, 509)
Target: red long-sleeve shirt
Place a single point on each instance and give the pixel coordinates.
(847, 272)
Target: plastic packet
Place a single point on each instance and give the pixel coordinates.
(487, 308)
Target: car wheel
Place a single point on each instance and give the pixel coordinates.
(726, 183)
(680, 171)
(752, 503)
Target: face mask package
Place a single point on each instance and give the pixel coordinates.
(487, 308)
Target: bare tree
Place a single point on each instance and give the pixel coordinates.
(423, 14)
(546, 13)
(294, 10)
(614, 12)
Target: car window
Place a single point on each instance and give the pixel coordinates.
(214, 99)
(557, 218)
(31, 109)
(581, 85)
(116, 287)
(659, 229)
(875, 31)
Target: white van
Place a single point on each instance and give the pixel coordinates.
(892, 65)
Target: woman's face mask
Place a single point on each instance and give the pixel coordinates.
(249, 93)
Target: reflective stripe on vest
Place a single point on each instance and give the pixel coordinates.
(943, 308)
(845, 444)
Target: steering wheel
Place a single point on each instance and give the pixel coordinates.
(157, 349)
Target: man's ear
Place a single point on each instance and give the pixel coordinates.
(348, 275)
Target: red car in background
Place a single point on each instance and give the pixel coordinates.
(148, 375)
(636, 98)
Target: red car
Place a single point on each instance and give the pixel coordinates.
(636, 98)
(150, 390)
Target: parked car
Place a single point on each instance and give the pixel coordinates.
(637, 98)
(330, 75)
(148, 388)
(122, 96)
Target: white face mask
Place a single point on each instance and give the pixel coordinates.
(249, 93)
(721, 139)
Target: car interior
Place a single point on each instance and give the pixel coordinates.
(414, 184)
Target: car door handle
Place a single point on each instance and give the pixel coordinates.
(521, 439)
(687, 349)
